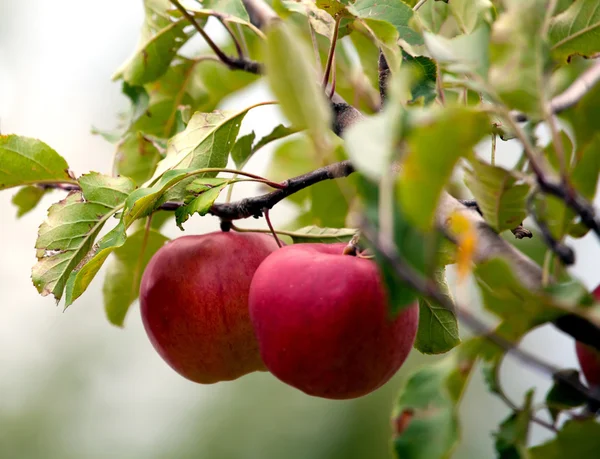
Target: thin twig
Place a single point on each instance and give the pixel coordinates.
(419, 4)
(271, 229)
(562, 251)
(331, 54)
(440, 85)
(236, 42)
(383, 70)
(244, 44)
(237, 64)
(333, 80)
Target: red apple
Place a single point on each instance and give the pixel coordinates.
(194, 304)
(589, 358)
(322, 321)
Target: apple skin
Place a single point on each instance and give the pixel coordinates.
(321, 320)
(589, 358)
(194, 304)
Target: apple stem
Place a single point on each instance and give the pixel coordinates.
(268, 220)
(226, 225)
(352, 247)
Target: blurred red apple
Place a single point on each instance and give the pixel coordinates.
(194, 304)
(322, 321)
(589, 358)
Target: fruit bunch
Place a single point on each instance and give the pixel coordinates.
(221, 305)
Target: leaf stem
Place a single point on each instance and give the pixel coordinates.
(268, 220)
(238, 46)
(419, 4)
(241, 64)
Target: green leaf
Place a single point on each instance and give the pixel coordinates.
(434, 148)
(27, 198)
(242, 150)
(124, 272)
(139, 100)
(27, 161)
(143, 201)
(105, 190)
(108, 194)
(279, 132)
(79, 280)
(395, 12)
(511, 438)
(292, 78)
(370, 141)
(152, 58)
(438, 326)
(411, 243)
(205, 192)
(424, 86)
(567, 149)
(231, 7)
(320, 20)
(462, 54)
(585, 173)
(500, 195)
(470, 14)
(205, 143)
(230, 11)
(368, 53)
(562, 396)
(506, 297)
(136, 157)
(290, 159)
(433, 15)
(426, 419)
(576, 31)
(576, 439)
(519, 55)
(385, 36)
(64, 240)
(329, 206)
(314, 234)
(335, 7)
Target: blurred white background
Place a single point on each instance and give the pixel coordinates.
(72, 385)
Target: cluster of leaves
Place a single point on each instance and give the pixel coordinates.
(458, 69)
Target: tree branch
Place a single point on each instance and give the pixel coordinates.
(254, 207)
(384, 75)
(260, 13)
(239, 63)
